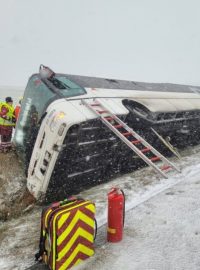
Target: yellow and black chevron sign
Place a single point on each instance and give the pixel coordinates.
(73, 235)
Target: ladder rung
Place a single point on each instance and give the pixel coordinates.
(144, 150)
(109, 118)
(155, 158)
(135, 141)
(102, 111)
(127, 133)
(165, 167)
(118, 126)
(95, 104)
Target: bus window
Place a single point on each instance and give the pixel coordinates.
(66, 87)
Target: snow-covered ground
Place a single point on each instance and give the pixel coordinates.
(161, 226)
(160, 233)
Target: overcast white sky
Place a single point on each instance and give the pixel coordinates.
(142, 40)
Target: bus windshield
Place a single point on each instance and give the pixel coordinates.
(36, 98)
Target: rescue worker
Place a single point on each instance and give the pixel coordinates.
(7, 120)
(17, 109)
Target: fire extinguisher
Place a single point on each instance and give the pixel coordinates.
(116, 215)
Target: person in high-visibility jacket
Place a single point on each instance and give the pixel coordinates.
(7, 119)
(17, 109)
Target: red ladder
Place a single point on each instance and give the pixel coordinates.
(134, 141)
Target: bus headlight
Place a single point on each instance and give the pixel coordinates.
(56, 119)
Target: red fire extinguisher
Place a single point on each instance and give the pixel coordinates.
(116, 215)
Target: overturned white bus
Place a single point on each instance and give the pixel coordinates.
(75, 131)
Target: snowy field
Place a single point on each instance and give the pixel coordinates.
(161, 233)
(161, 226)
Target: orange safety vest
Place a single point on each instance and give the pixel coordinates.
(17, 111)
